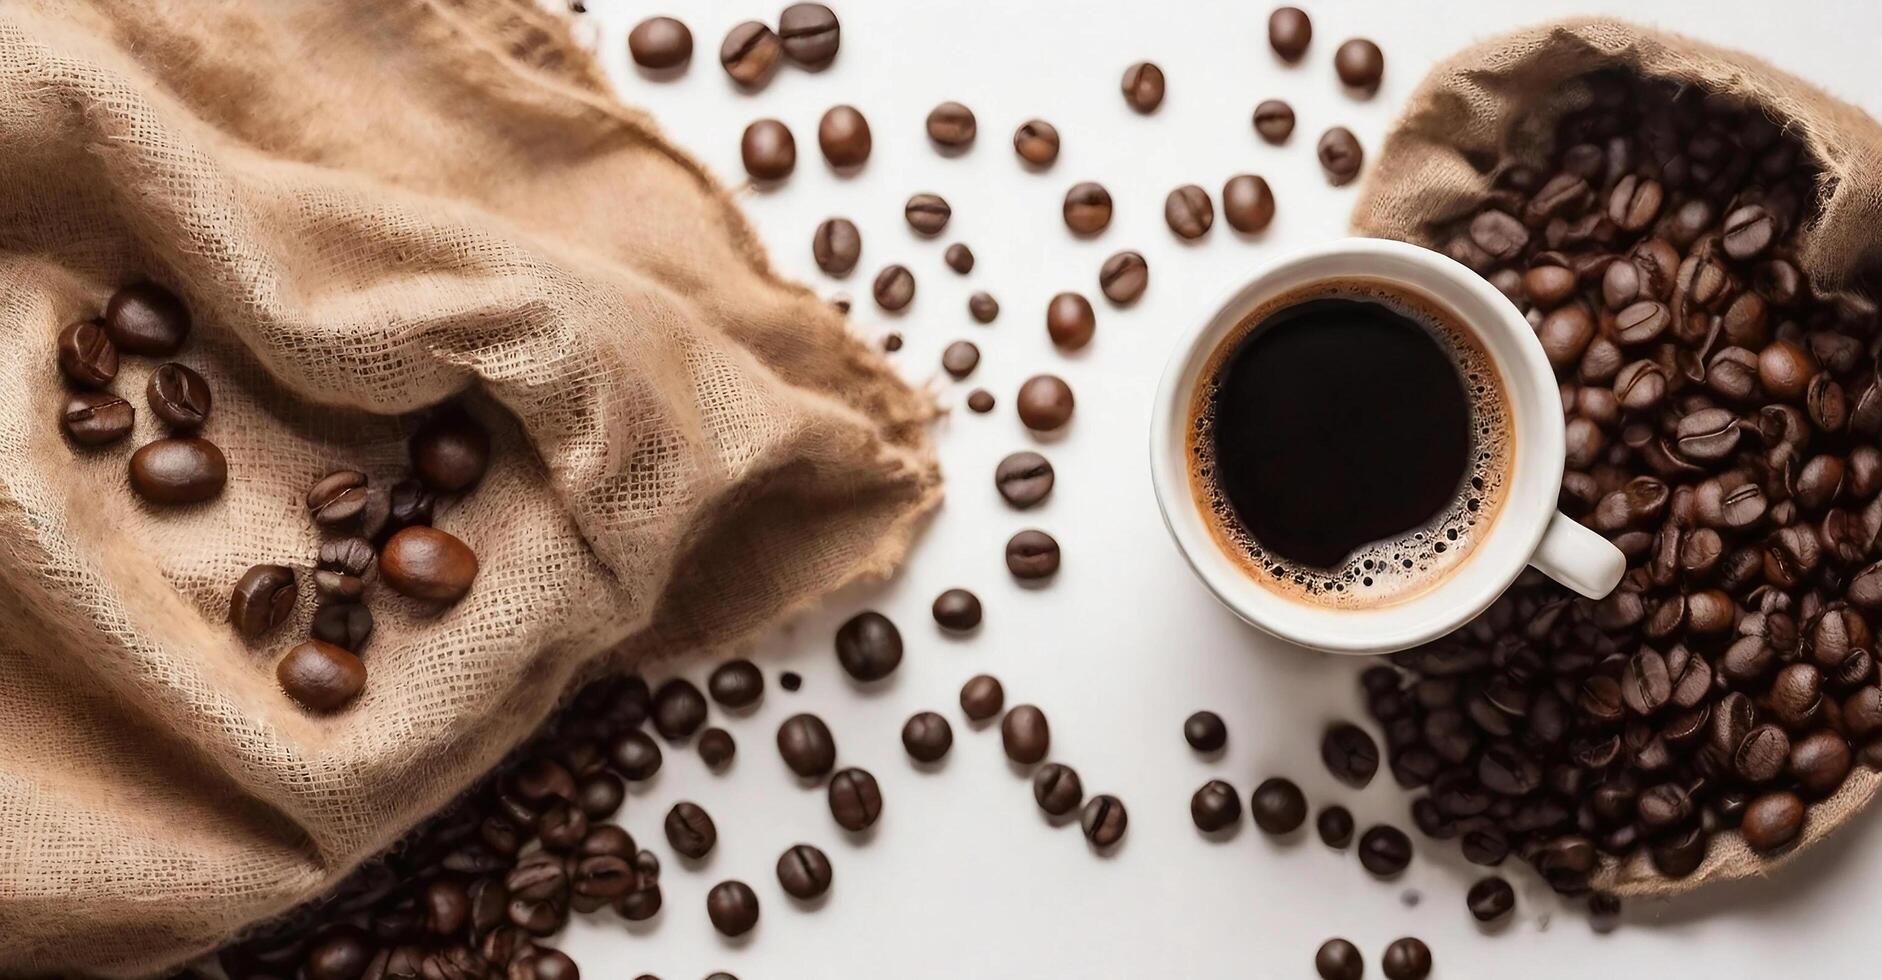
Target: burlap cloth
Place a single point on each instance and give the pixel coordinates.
(371, 206)
(1499, 100)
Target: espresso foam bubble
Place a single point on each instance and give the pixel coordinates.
(1397, 568)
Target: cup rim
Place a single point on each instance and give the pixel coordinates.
(1520, 523)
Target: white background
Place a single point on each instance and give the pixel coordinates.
(964, 877)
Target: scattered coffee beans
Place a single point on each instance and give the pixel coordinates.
(892, 342)
(179, 471)
(321, 677)
(982, 697)
(1032, 555)
(810, 34)
(1350, 754)
(1338, 959)
(1278, 806)
(426, 563)
(717, 748)
(836, 246)
(1103, 821)
(855, 799)
(1070, 321)
(1123, 277)
(960, 358)
(957, 610)
(1188, 212)
(1215, 806)
(1143, 86)
(733, 907)
(736, 684)
(927, 213)
(951, 125)
(1247, 203)
(1406, 959)
(1024, 734)
(678, 709)
(1340, 155)
(690, 830)
(768, 150)
(1274, 121)
(843, 135)
(804, 872)
(338, 498)
(1057, 789)
(1384, 850)
(959, 257)
(660, 43)
(97, 418)
(1087, 208)
(263, 598)
(1490, 899)
(451, 452)
(86, 355)
(1044, 403)
(1360, 64)
(1289, 32)
(805, 744)
(980, 401)
(894, 287)
(636, 756)
(983, 307)
(178, 396)
(1023, 479)
(869, 646)
(146, 319)
(790, 680)
(751, 53)
(927, 736)
(1205, 732)
(1335, 826)
(1037, 142)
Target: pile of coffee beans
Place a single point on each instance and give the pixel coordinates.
(1722, 426)
(369, 527)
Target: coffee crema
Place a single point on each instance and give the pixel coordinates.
(1350, 443)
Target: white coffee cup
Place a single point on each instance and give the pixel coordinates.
(1525, 530)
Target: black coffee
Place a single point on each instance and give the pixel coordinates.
(1349, 442)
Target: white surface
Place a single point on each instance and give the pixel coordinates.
(963, 877)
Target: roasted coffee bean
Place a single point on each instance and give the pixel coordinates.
(959, 257)
(451, 452)
(855, 799)
(1785, 370)
(1818, 762)
(1247, 203)
(1278, 806)
(1087, 208)
(983, 307)
(810, 34)
(716, 748)
(957, 610)
(982, 697)
(347, 625)
(320, 677)
(1772, 820)
(1070, 321)
(1037, 142)
(635, 756)
(690, 830)
(408, 504)
(1384, 850)
(1748, 231)
(1123, 277)
(1350, 754)
(927, 213)
(926, 736)
(337, 498)
(869, 646)
(736, 683)
(1340, 155)
(1337, 959)
(1205, 732)
(1032, 555)
(960, 358)
(1215, 806)
(1143, 86)
(733, 908)
(660, 43)
(750, 53)
(1025, 735)
(843, 136)
(678, 709)
(1103, 821)
(894, 287)
(640, 904)
(805, 743)
(1274, 121)
(1406, 959)
(1188, 212)
(426, 563)
(1057, 789)
(338, 587)
(1490, 899)
(146, 319)
(97, 418)
(1044, 403)
(768, 150)
(951, 125)
(1023, 479)
(980, 401)
(1360, 64)
(804, 872)
(1335, 826)
(836, 246)
(87, 355)
(178, 396)
(263, 598)
(1289, 32)
(179, 471)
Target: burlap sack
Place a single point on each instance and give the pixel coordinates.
(372, 206)
(1499, 101)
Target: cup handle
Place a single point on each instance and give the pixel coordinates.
(1579, 558)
